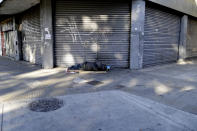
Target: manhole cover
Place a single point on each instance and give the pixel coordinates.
(94, 83)
(46, 105)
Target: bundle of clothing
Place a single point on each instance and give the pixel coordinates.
(90, 66)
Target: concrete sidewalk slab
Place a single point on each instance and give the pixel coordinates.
(173, 85)
(178, 117)
(101, 111)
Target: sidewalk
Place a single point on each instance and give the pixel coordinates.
(174, 85)
(101, 111)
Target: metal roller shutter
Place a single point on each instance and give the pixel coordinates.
(9, 43)
(90, 30)
(161, 37)
(31, 35)
(192, 38)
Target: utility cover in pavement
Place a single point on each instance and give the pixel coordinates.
(120, 86)
(95, 83)
(46, 105)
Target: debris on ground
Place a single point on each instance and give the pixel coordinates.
(79, 80)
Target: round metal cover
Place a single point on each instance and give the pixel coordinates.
(46, 105)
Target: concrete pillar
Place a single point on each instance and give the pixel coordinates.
(47, 33)
(183, 38)
(137, 34)
(0, 44)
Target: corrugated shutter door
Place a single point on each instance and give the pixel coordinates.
(161, 37)
(31, 34)
(10, 41)
(192, 38)
(90, 30)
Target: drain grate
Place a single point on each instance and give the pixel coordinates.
(120, 87)
(46, 105)
(94, 83)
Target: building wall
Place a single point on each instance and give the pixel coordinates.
(185, 6)
(181, 6)
(32, 41)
